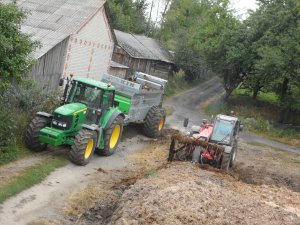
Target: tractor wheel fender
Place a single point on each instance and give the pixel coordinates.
(93, 127)
(44, 114)
(112, 117)
(228, 149)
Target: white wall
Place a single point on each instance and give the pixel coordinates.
(90, 49)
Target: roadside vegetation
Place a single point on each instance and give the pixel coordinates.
(17, 107)
(20, 99)
(29, 177)
(178, 83)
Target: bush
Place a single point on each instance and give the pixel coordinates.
(18, 106)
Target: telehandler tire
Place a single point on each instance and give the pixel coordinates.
(33, 132)
(83, 148)
(225, 161)
(154, 122)
(232, 157)
(112, 137)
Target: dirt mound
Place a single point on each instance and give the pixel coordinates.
(185, 194)
(262, 188)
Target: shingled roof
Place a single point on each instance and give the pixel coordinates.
(51, 21)
(140, 46)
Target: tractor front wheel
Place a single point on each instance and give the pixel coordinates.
(112, 136)
(83, 148)
(33, 132)
(154, 122)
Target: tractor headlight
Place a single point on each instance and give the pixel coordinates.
(59, 124)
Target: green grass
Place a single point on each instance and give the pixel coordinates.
(12, 153)
(269, 97)
(31, 176)
(178, 84)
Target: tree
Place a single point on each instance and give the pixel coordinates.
(128, 15)
(15, 46)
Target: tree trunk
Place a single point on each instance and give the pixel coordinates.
(255, 91)
(283, 103)
(228, 93)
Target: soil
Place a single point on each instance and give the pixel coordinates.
(186, 193)
(137, 185)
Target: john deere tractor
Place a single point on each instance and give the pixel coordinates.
(92, 115)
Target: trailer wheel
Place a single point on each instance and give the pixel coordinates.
(112, 137)
(33, 132)
(83, 148)
(154, 122)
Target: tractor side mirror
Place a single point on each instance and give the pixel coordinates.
(61, 82)
(241, 127)
(186, 122)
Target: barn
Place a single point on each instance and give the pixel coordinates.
(74, 35)
(143, 54)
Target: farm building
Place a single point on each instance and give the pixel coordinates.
(143, 54)
(118, 69)
(75, 36)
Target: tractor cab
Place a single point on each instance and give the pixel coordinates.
(225, 129)
(90, 97)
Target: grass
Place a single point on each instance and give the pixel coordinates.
(12, 153)
(29, 177)
(178, 84)
(269, 97)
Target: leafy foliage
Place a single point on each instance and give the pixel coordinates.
(17, 107)
(15, 47)
(128, 15)
(261, 53)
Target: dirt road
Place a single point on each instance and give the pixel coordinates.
(137, 186)
(48, 198)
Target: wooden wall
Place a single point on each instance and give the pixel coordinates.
(49, 68)
(153, 67)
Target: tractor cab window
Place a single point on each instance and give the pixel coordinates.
(222, 131)
(108, 99)
(90, 96)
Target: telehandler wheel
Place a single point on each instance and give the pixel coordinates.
(232, 157)
(33, 132)
(112, 137)
(225, 161)
(154, 122)
(83, 148)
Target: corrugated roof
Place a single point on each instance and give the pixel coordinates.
(51, 21)
(139, 46)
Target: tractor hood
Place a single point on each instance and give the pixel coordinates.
(71, 109)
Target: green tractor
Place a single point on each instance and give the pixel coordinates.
(92, 115)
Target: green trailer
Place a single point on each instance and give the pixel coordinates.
(92, 115)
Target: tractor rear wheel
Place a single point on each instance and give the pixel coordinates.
(33, 132)
(154, 122)
(83, 148)
(112, 137)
